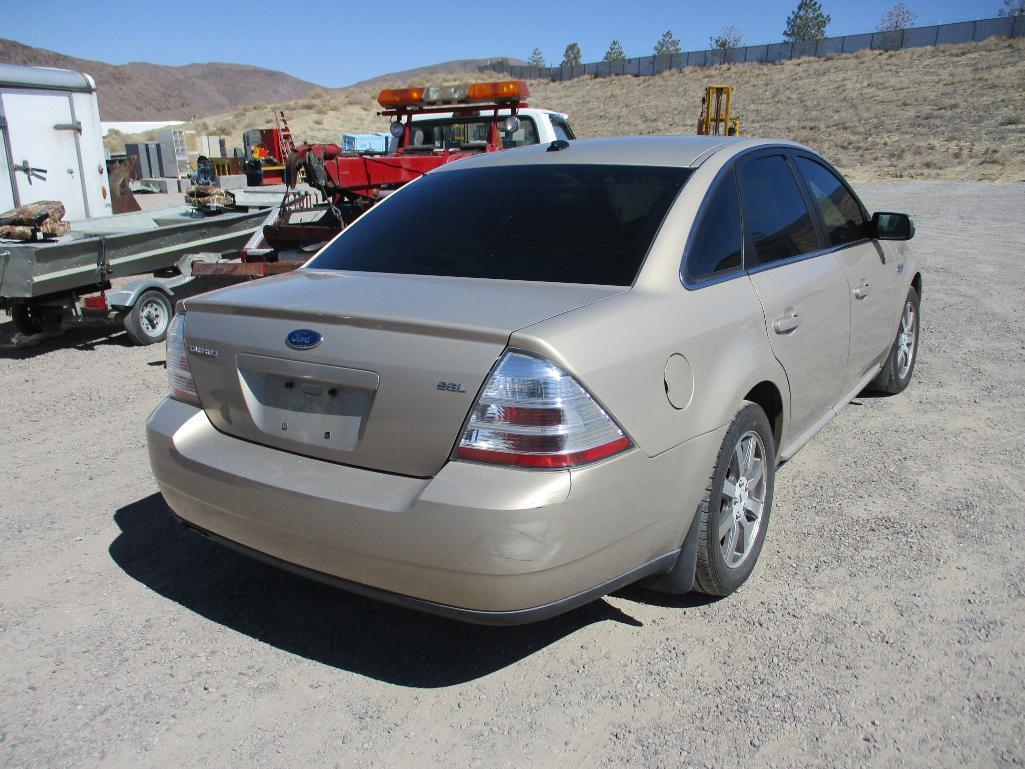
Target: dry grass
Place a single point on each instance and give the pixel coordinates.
(950, 112)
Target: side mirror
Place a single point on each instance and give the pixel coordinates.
(890, 226)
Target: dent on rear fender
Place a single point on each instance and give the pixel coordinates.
(513, 501)
(496, 488)
(524, 543)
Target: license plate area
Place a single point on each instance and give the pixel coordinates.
(307, 404)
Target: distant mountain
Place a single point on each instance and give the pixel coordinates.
(456, 66)
(143, 91)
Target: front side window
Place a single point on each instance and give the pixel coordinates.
(716, 247)
(552, 223)
(842, 216)
(774, 211)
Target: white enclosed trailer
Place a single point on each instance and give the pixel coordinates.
(51, 143)
(51, 148)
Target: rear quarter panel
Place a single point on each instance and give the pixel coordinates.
(619, 347)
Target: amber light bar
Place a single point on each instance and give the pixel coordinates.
(501, 90)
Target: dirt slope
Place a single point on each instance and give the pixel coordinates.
(950, 112)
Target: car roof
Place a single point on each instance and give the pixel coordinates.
(673, 151)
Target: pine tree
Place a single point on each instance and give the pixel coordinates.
(571, 56)
(667, 44)
(615, 52)
(537, 59)
(807, 22)
(897, 18)
(1012, 8)
(728, 37)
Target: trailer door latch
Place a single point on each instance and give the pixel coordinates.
(75, 126)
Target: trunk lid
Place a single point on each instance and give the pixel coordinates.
(398, 366)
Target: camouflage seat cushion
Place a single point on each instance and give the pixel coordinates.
(29, 222)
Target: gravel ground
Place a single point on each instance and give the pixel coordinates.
(882, 627)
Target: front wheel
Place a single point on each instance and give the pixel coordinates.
(147, 321)
(735, 512)
(900, 363)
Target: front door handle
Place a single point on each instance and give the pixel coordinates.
(786, 324)
(861, 291)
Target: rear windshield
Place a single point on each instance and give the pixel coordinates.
(466, 134)
(550, 223)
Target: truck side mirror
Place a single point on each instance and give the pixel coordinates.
(891, 226)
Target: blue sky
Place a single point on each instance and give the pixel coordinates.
(338, 43)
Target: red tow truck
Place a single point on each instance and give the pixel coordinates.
(430, 126)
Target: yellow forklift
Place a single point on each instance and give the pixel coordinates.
(716, 118)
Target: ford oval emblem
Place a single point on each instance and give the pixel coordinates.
(303, 339)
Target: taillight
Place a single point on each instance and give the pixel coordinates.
(179, 375)
(531, 413)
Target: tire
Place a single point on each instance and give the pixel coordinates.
(147, 321)
(31, 320)
(742, 502)
(900, 363)
(24, 323)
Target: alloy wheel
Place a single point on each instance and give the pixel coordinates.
(742, 499)
(906, 340)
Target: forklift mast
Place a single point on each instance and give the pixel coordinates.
(716, 118)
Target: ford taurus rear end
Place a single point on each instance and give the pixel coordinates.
(391, 419)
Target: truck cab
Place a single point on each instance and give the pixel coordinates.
(469, 132)
(430, 126)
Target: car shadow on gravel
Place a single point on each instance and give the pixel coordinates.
(322, 623)
(84, 336)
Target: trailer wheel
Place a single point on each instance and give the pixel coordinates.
(147, 321)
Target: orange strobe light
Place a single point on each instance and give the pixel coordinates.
(400, 97)
(498, 90)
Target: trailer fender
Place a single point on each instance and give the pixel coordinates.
(128, 294)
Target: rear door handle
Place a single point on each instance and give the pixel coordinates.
(786, 324)
(861, 291)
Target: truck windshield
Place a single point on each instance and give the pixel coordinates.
(550, 223)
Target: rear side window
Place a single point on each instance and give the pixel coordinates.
(524, 135)
(716, 247)
(774, 211)
(562, 129)
(550, 223)
(841, 214)
(467, 133)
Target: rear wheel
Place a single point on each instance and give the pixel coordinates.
(735, 512)
(900, 363)
(149, 318)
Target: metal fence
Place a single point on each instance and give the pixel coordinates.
(914, 37)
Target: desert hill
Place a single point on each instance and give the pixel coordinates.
(436, 71)
(143, 91)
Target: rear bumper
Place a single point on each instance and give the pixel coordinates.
(477, 542)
